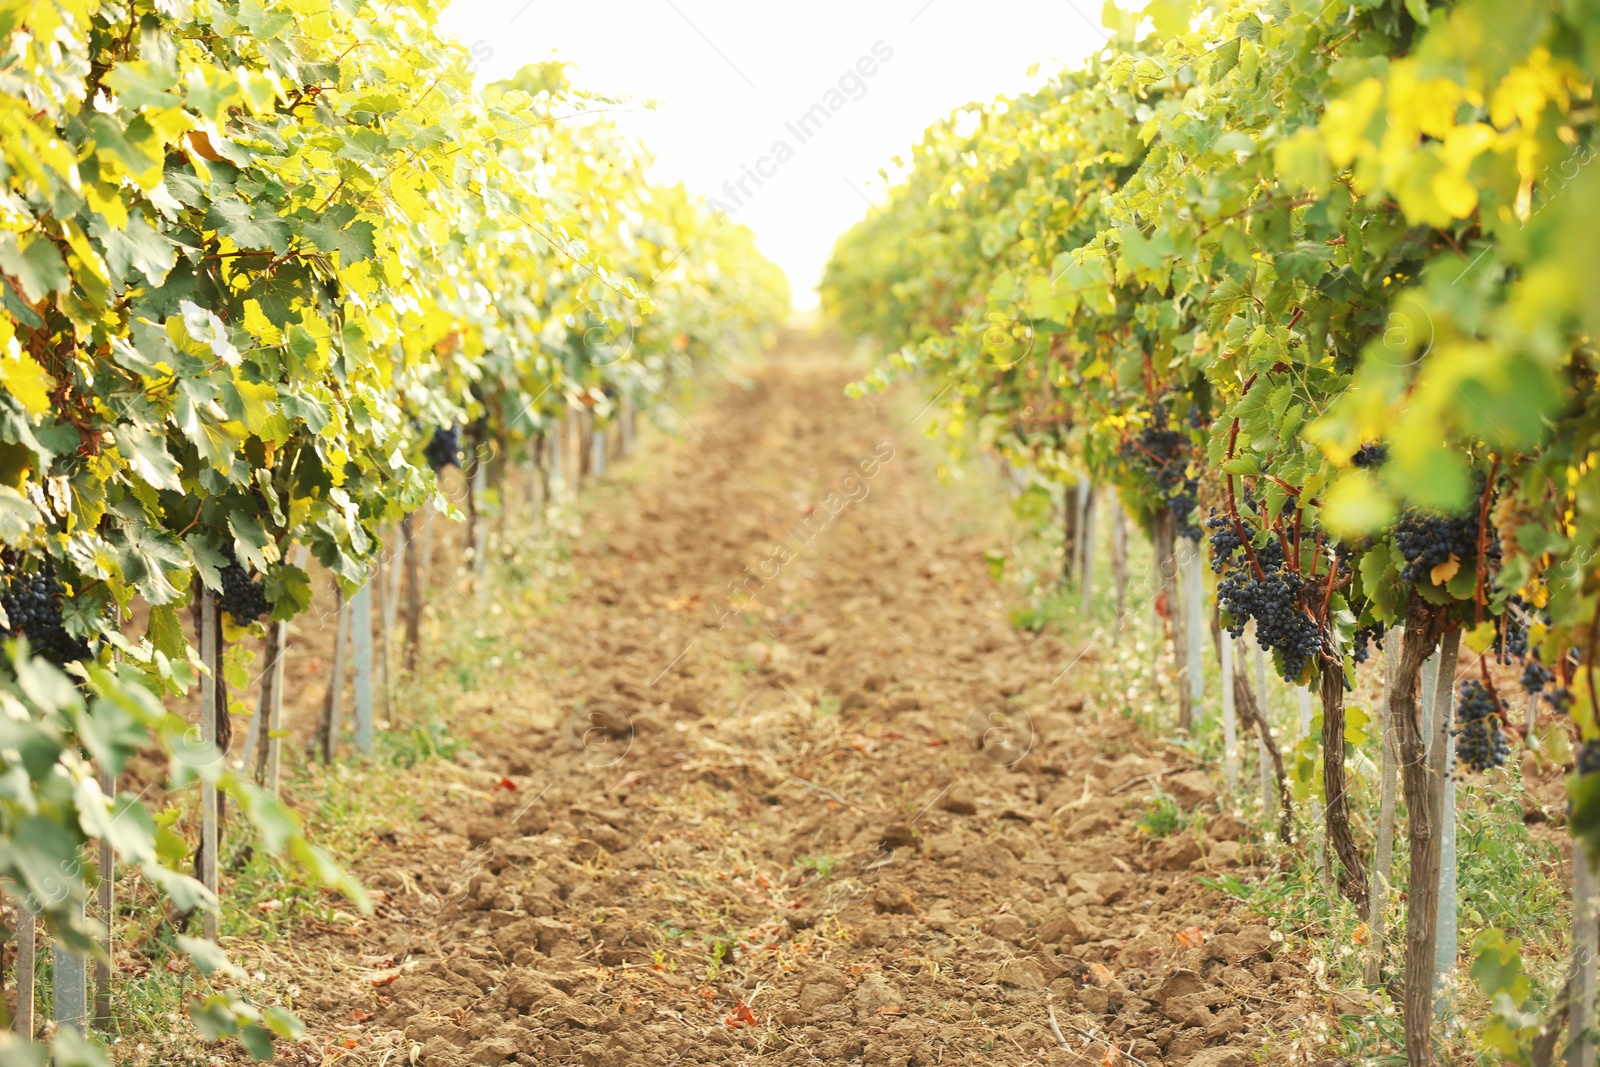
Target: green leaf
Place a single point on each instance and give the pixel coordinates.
(143, 84)
(339, 231)
(18, 517)
(147, 454)
(139, 246)
(284, 1023)
(235, 219)
(208, 956)
(257, 1041)
(34, 262)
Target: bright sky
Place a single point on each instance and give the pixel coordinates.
(728, 76)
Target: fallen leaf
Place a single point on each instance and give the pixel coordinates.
(1193, 937)
(1101, 974)
(505, 783)
(742, 1016)
(1360, 935)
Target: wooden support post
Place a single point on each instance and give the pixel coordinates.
(408, 536)
(1188, 553)
(1585, 948)
(361, 651)
(1086, 497)
(480, 560)
(333, 700)
(1119, 564)
(556, 471)
(210, 683)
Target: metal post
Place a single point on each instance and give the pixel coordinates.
(1230, 728)
(107, 902)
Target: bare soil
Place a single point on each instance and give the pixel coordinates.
(858, 819)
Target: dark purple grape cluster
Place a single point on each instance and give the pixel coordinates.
(1163, 454)
(1480, 743)
(444, 450)
(1224, 540)
(244, 599)
(1535, 676)
(1589, 757)
(1511, 632)
(33, 604)
(1273, 601)
(1560, 698)
(1370, 454)
(1425, 541)
(1363, 638)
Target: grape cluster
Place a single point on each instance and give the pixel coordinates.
(1425, 541)
(1363, 639)
(444, 450)
(1511, 633)
(1224, 540)
(1273, 601)
(33, 604)
(1370, 454)
(1589, 757)
(1162, 452)
(243, 599)
(1535, 676)
(1560, 698)
(1480, 743)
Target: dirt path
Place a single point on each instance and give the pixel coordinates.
(854, 822)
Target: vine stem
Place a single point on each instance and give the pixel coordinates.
(1479, 598)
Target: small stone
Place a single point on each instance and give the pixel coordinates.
(876, 996)
(1022, 972)
(1007, 927)
(960, 800)
(822, 987)
(1219, 1057)
(1179, 983)
(1191, 789)
(1178, 853)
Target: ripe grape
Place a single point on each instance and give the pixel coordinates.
(33, 604)
(444, 450)
(1224, 540)
(1589, 757)
(1480, 743)
(243, 599)
(1363, 637)
(1426, 540)
(1535, 676)
(1370, 454)
(1163, 454)
(1273, 601)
